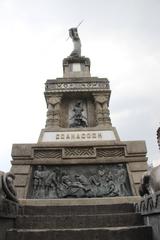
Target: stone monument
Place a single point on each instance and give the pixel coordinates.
(79, 154)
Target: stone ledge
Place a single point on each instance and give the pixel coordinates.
(47, 161)
(79, 201)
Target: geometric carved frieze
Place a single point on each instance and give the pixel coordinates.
(79, 152)
(78, 86)
(70, 181)
(46, 153)
(110, 152)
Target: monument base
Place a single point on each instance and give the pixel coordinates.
(79, 169)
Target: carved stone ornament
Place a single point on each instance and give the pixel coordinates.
(54, 100)
(89, 86)
(109, 180)
(101, 99)
(53, 113)
(46, 153)
(7, 189)
(110, 152)
(102, 111)
(81, 152)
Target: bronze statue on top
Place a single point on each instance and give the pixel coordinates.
(73, 33)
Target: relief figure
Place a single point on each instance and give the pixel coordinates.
(79, 120)
(121, 180)
(77, 182)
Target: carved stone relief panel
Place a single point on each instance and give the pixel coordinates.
(110, 152)
(101, 108)
(79, 181)
(46, 153)
(53, 112)
(80, 152)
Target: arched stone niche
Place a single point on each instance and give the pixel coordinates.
(70, 103)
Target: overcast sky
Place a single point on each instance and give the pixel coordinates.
(122, 39)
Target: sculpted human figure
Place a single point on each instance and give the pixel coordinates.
(121, 180)
(37, 179)
(78, 119)
(50, 183)
(73, 33)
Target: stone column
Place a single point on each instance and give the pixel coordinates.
(102, 111)
(53, 113)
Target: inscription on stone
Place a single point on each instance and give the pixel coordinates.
(78, 136)
(109, 180)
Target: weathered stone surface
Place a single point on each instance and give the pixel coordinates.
(72, 207)
(136, 147)
(21, 180)
(8, 213)
(71, 221)
(116, 222)
(129, 200)
(20, 169)
(20, 192)
(20, 150)
(138, 166)
(137, 176)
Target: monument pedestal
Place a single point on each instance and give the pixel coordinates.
(78, 169)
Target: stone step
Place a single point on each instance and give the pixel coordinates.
(117, 233)
(77, 209)
(78, 221)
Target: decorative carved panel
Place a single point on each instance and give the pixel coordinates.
(81, 152)
(47, 153)
(110, 152)
(100, 85)
(77, 181)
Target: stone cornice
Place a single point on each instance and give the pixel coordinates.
(77, 85)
